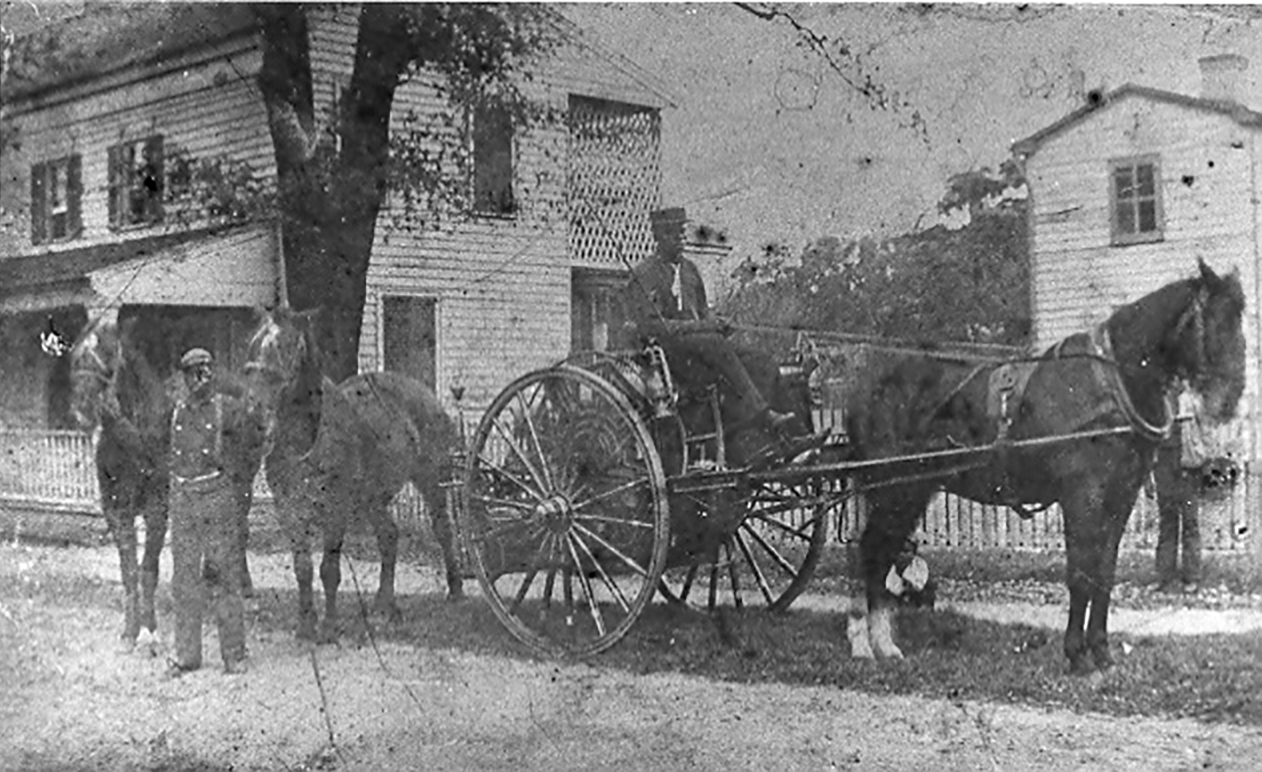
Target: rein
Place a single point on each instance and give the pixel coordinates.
(1102, 345)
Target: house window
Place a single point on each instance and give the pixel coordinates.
(409, 337)
(493, 160)
(135, 182)
(56, 193)
(597, 313)
(1136, 200)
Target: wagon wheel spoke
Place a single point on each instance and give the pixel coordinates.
(534, 437)
(586, 586)
(733, 575)
(564, 485)
(504, 503)
(545, 547)
(599, 497)
(685, 590)
(600, 569)
(767, 548)
(485, 464)
(521, 455)
(759, 577)
(627, 560)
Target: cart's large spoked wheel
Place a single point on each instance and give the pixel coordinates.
(564, 511)
(768, 560)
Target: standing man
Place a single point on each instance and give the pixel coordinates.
(1175, 475)
(666, 300)
(205, 544)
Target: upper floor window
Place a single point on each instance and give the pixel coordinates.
(135, 182)
(1135, 200)
(493, 160)
(56, 195)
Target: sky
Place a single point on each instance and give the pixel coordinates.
(767, 143)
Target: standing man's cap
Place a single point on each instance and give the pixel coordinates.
(194, 357)
(675, 215)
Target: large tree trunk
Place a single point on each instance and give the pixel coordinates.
(329, 200)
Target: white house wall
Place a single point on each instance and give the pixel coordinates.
(235, 269)
(1208, 180)
(502, 283)
(209, 109)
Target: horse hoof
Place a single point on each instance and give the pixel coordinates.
(456, 595)
(1081, 666)
(148, 642)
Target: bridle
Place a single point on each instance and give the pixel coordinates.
(101, 372)
(1194, 316)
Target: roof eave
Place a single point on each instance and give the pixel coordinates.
(1237, 112)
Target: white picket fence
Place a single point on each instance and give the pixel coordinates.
(54, 471)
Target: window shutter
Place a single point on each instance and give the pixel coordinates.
(74, 195)
(39, 202)
(115, 183)
(155, 178)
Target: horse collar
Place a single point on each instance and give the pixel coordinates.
(1102, 348)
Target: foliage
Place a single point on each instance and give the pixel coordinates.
(333, 181)
(937, 285)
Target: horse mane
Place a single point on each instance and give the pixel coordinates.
(144, 394)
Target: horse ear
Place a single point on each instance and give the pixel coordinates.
(1207, 273)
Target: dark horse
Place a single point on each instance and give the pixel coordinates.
(340, 454)
(1108, 386)
(108, 366)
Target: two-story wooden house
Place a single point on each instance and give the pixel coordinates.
(1128, 191)
(105, 115)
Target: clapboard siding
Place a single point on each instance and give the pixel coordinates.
(210, 110)
(502, 285)
(1209, 196)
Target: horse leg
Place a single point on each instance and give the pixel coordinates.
(440, 521)
(892, 516)
(244, 497)
(857, 628)
(1083, 534)
(304, 572)
(331, 578)
(1117, 508)
(155, 514)
(122, 525)
(388, 545)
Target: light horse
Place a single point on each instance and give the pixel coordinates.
(340, 454)
(108, 365)
(1108, 386)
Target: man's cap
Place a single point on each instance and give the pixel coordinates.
(675, 215)
(194, 357)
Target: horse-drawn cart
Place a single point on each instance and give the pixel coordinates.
(593, 485)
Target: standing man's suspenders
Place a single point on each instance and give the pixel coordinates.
(217, 401)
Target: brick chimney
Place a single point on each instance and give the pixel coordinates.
(1220, 75)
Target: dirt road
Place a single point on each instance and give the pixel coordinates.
(70, 700)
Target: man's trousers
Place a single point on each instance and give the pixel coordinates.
(205, 547)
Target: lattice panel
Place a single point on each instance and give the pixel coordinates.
(613, 181)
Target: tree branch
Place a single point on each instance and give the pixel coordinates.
(285, 82)
(844, 63)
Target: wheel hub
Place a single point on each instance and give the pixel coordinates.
(555, 513)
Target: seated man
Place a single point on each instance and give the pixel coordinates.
(666, 300)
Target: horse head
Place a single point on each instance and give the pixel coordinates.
(1206, 346)
(283, 361)
(95, 360)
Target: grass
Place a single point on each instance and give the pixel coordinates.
(949, 656)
